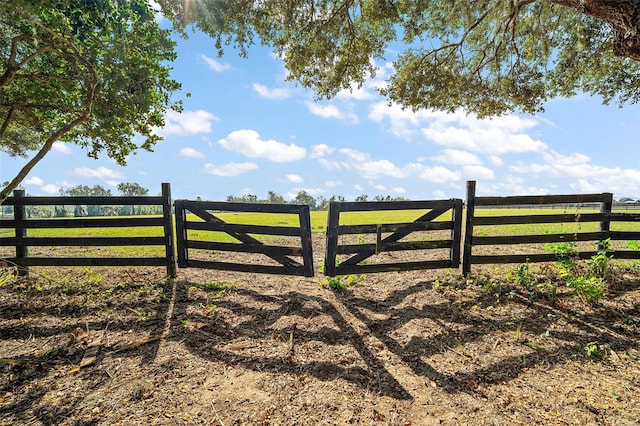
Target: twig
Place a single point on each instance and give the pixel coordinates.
(213, 406)
(291, 341)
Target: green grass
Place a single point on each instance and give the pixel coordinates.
(319, 224)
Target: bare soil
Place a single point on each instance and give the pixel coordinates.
(105, 346)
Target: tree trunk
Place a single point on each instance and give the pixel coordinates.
(4, 193)
(623, 16)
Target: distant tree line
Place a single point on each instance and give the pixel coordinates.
(303, 197)
(124, 189)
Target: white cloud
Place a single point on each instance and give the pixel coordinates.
(103, 173)
(215, 65)
(187, 123)
(355, 93)
(509, 186)
(333, 183)
(398, 190)
(439, 194)
(61, 147)
(249, 144)
(474, 172)
(495, 136)
(191, 153)
(379, 187)
(457, 157)
(50, 188)
(435, 174)
(34, 181)
(293, 178)
(331, 111)
(373, 169)
(495, 160)
(267, 93)
(320, 150)
(584, 176)
(230, 169)
(404, 123)
(330, 165)
(460, 130)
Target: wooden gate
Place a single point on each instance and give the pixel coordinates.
(215, 231)
(369, 239)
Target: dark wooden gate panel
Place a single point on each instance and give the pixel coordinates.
(361, 251)
(198, 232)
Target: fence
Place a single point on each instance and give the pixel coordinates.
(21, 225)
(377, 238)
(603, 219)
(362, 251)
(210, 223)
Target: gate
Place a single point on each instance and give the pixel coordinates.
(217, 231)
(364, 241)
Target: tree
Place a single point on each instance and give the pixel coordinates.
(93, 73)
(275, 198)
(132, 190)
(303, 197)
(88, 191)
(487, 57)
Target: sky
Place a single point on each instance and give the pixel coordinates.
(245, 130)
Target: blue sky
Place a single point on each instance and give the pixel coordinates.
(244, 130)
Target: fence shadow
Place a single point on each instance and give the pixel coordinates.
(375, 336)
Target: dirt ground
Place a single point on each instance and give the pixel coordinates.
(103, 346)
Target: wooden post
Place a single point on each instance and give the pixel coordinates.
(181, 234)
(168, 231)
(332, 239)
(307, 248)
(605, 225)
(468, 231)
(456, 233)
(20, 215)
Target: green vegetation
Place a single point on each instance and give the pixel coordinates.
(484, 57)
(118, 57)
(587, 279)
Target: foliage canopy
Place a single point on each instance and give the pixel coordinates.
(89, 72)
(488, 57)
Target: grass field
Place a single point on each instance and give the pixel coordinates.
(319, 224)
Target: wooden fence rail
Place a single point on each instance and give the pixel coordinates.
(22, 241)
(208, 221)
(363, 251)
(360, 242)
(603, 220)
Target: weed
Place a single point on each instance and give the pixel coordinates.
(593, 349)
(7, 273)
(599, 264)
(340, 282)
(361, 239)
(219, 286)
(589, 288)
(565, 253)
(92, 277)
(334, 283)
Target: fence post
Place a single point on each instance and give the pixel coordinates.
(181, 234)
(605, 226)
(456, 233)
(168, 230)
(331, 253)
(307, 248)
(19, 215)
(468, 230)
